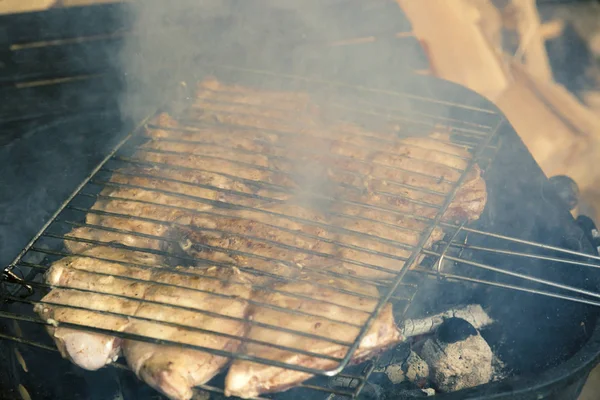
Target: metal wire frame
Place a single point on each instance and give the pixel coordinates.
(569, 293)
(356, 381)
(565, 292)
(522, 254)
(479, 141)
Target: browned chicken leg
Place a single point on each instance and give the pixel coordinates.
(337, 316)
(213, 302)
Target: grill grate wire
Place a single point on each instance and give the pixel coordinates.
(479, 138)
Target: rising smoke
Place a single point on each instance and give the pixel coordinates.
(189, 40)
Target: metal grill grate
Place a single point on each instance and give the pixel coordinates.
(46, 247)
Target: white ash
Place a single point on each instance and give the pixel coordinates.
(499, 370)
(395, 373)
(413, 369)
(344, 382)
(201, 395)
(459, 358)
(416, 368)
(473, 313)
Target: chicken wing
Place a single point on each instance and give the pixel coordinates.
(86, 288)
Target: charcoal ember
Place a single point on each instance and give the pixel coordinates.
(397, 355)
(413, 369)
(370, 391)
(455, 330)
(345, 383)
(401, 364)
(458, 356)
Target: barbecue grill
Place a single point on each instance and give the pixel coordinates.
(525, 235)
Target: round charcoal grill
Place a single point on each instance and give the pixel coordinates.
(529, 323)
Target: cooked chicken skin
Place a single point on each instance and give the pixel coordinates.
(249, 379)
(470, 199)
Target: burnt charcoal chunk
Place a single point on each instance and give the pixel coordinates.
(463, 364)
(455, 330)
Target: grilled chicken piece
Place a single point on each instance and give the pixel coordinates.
(470, 199)
(411, 184)
(89, 350)
(213, 100)
(282, 237)
(388, 239)
(173, 370)
(249, 173)
(383, 248)
(217, 151)
(467, 204)
(87, 289)
(97, 276)
(394, 151)
(181, 188)
(212, 89)
(258, 150)
(188, 192)
(367, 161)
(334, 313)
(217, 111)
(413, 175)
(254, 240)
(166, 128)
(230, 180)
